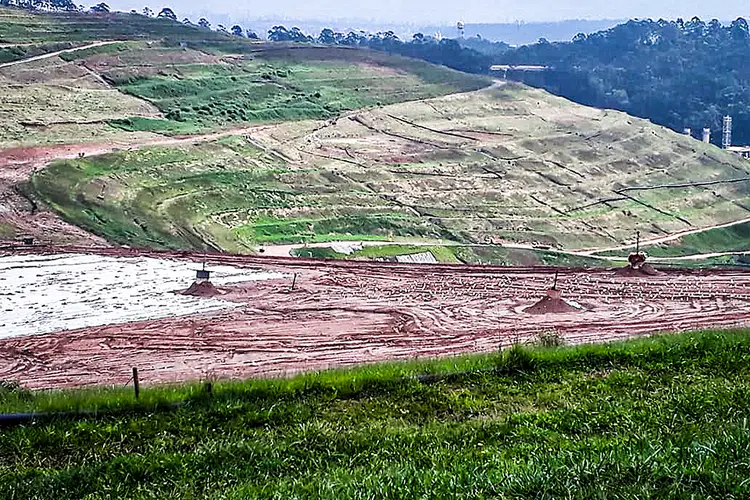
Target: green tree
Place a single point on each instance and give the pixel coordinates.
(167, 13)
(100, 8)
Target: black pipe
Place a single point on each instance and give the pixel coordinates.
(13, 419)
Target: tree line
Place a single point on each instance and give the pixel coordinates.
(444, 51)
(680, 74)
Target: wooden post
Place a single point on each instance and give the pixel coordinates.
(136, 385)
(294, 280)
(554, 285)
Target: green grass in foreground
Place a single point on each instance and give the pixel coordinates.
(664, 417)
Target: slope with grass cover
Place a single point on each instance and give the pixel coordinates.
(507, 163)
(653, 418)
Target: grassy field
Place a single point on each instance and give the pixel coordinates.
(21, 27)
(269, 83)
(658, 418)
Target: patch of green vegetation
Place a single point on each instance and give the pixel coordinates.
(20, 26)
(270, 87)
(567, 260)
(112, 48)
(7, 231)
(726, 239)
(655, 418)
(442, 254)
(14, 53)
(318, 253)
(142, 124)
(351, 227)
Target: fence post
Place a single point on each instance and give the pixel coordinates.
(136, 385)
(294, 280)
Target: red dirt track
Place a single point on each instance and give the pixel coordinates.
(346, 312)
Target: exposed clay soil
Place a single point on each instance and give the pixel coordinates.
(551, 304)
(644, 270)
(202, 289)
(348, 312)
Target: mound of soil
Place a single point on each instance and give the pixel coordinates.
(643, 270)
(202, 289)
(553, 304)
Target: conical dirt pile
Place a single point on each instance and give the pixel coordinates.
(551, 304)
(202, 289)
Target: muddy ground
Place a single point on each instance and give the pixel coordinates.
(344, 312)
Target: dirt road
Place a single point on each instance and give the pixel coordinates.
(663, 239)
(342, 313)
(57, 53)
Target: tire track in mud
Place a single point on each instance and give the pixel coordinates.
(344, 313)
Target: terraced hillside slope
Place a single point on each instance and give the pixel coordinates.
(508, 163)
(121, 81)
(215, 142)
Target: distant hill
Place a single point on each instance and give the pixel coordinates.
(524, 33)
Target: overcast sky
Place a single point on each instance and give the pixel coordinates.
(445, 11)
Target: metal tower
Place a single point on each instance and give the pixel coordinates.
(726, 139)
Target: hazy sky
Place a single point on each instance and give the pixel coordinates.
(445, 11)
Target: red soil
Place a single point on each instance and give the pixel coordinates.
(349, 312)
(552, 303)
(642, 270)
(202, 289)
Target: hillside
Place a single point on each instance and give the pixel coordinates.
(656, 418)
(508, 162)
(143, 74)
(121, 80)
(300, 143)
(676, 73)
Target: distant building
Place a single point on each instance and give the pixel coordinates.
(523, 67)
(743, 151)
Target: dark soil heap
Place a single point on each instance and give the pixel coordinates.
(642, 270)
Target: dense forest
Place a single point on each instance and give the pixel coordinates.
(678, 74)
